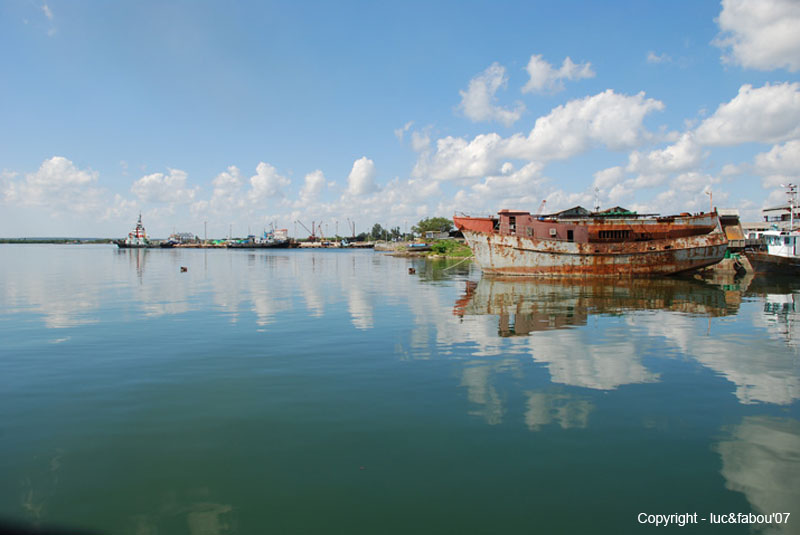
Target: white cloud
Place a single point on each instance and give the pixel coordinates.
(654, 166)
(420, 141)
(478, 101)
(652, 57)
(608, 178)
(267, 183)
(362, 177)
(760, 34)
(779, 165)
(58, 185)
(543, 77)
(606, 119)
(769, 114)
(399, 132)
(161, 188)
(314, 183)
(510, 184)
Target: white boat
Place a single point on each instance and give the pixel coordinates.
(779, 252)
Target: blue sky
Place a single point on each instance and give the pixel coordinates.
(247, 114)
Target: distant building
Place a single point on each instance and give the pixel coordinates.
(183, 237)
(436, 235)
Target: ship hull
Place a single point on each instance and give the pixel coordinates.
(768, 263)
(122, 245)
(522, 256)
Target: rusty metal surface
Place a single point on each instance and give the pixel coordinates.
(516, 255)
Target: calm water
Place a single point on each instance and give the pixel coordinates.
(332, 392)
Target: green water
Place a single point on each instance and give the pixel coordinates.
(332, 392)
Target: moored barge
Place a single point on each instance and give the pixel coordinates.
(577, 242)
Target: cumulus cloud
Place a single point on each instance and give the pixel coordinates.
(607, 119)
(677, 166)
(779, 165)
(653, 167)
(267, 183)
(760, 35)
(768, 114)
(543, 77)
(507, 187)
(478, 102)
(161, 188)
(57, 184)
(313, 185)
(361, 179)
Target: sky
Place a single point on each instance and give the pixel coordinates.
(231, 117)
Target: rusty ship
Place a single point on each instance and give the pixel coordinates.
(577, 242)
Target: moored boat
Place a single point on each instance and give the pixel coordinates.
(779, 250)
(779, 253)
(137, 239)
(577, 242)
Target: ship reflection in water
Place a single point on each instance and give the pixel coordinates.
(536, 304)
(597, 334)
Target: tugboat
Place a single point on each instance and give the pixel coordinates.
(137, 239)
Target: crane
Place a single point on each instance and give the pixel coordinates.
(352, 225)
(541, 207)
(311, 235)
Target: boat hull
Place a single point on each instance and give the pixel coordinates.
(768, 263)
(122, 245)
(523, 256)
(273, 245)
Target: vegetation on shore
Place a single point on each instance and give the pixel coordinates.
(56, 240)
(450, 249)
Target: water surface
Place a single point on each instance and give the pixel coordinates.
(332, 392)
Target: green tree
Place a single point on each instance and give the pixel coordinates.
(433, 224)
(377, 233)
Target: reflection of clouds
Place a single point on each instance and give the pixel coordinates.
(562, 318)
(762, 370)
(762, 461)
(359, 305)
(63, 293)
(545, 408)
(579, 358)
(481, 392)
(202, 517)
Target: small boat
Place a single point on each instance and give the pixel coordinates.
(577, 242)
(778, 252)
